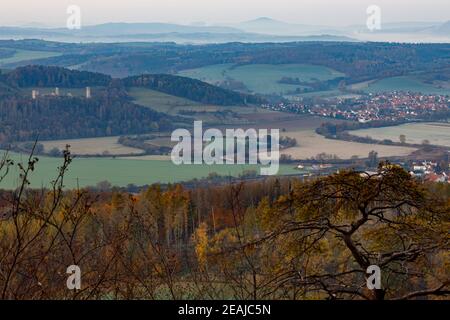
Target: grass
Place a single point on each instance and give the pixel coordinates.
(92, 146)
(121, 172)
(25, 55)
(321, 94)
(162, 102)
(310, 144)
(262, 78)
(141, 170)
(173, 105)
(405, 83)
(436, 133)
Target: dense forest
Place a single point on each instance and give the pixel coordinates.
(359, 61)
(50, 117)
(270, 239)
(48, 76)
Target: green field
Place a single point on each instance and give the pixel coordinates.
(262, 78)
(92, 146)
(320, 94)
(162, 102)
(416, 133)
(121, 172)
(406, 83)
(173, 105)
(25, 55)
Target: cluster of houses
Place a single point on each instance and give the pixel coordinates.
(429, 171)
(392, 106)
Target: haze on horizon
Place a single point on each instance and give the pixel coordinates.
(52, 13)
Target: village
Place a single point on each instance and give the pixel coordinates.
(390, 107)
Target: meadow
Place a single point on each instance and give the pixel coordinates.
(26, 55)
(173, 105)
(92, 146)
(142, 170)
(310, 144)
(405, 83)
(121, 172)
(262, 78)
(416, 133)
(162, 102)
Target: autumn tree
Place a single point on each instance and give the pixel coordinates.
(329, 231)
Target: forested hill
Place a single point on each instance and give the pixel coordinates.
(44, 76)
(48, 117)
(196, 90)
(191, 89)
(108, 112)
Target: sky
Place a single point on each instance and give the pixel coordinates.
(314, 12)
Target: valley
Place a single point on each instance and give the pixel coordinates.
(128, 120)
(240, 158)
(261, 78)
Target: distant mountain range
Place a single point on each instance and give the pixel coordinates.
(407, 32)
(270, 26)
(120, 29)
(163, 32)
(443, 29)
(259, 30)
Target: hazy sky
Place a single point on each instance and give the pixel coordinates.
(319, 12)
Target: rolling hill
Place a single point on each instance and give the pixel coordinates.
(50, 76)
(110, 111)
(191, 89)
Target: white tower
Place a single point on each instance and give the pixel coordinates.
(88, 92)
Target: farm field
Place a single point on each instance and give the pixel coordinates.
(302, 128)
(310, 144)
(322, 94)
(121, 172)
(406, 83)
(173, 105)
(162, 102)
(262, 78)
(416, 133)
(25, 55)
(92, 146)
(110, 145)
